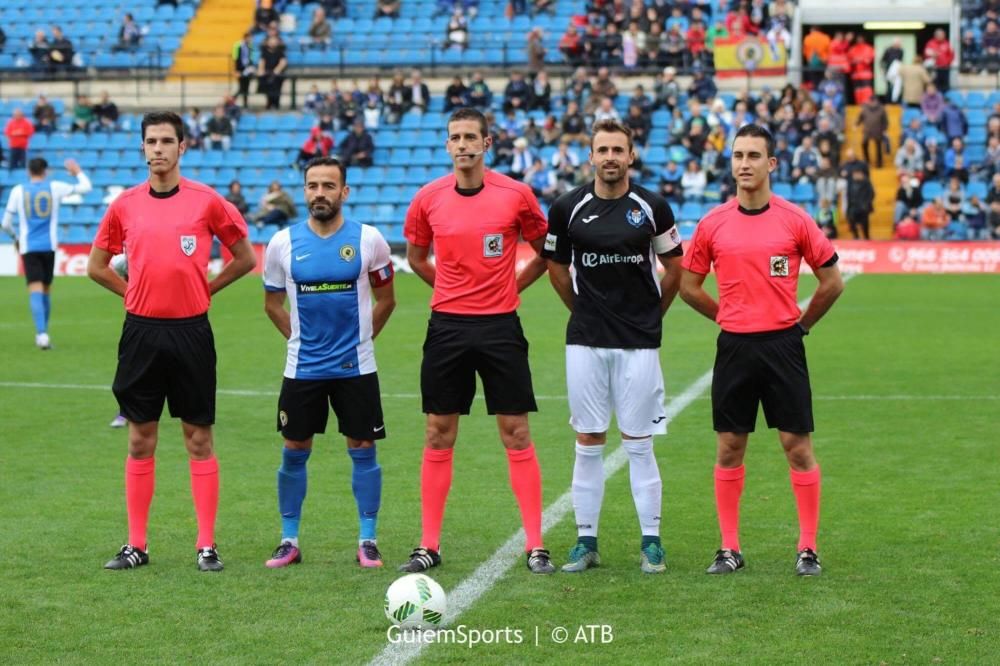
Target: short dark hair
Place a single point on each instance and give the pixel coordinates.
(326, 161)
(37, 166)
(468, 113)
(611, 125)
(163, 118)
(758, 131)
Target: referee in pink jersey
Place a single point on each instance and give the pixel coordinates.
(473, 219)
(756, 244)
(167, 350)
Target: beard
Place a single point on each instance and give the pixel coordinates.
(323, 211)
(612, 178)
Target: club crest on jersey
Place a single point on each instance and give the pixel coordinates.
(347, 252)
(635, 217)
(189, 244)
(779, 266)
(493, 245)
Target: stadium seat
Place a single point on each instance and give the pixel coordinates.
(977, 117)
(931, 190)
(686, 230)
(803, 193)
(783, 190)
(975, 99)
(401, 157)
(690, 212)
(976, 188)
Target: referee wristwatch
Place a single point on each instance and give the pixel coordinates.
(802, 329)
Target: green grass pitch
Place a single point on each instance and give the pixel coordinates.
(906, 377)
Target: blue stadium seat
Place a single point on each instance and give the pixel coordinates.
(417, 175)
(375, 175)
(931, 190)
(655, 155)
(76, 234)
(976, 188)
(686, 230)
(690, 212)
(975, 99)
(264, 235)
(367, 195)
(384, 214)
(803, 193)
(956, 96)
(387, 138)
(363, 214)
(975, 153)
(121, 141)
(394, 234)
(434, 120)
(395, 174)
(391, 194)
(400, 157)
(679, 154)
(408, 138)
(976, 117)
(783, 190)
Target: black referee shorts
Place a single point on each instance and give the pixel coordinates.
(303, 411)
(459, 346)
(768, 368)
(172, 359)
(39, 267)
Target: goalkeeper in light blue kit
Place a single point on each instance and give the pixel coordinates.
(330, 270)
(35, 204)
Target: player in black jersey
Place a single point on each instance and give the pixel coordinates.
(611, 232)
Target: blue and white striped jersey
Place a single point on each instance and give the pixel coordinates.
(327, 283)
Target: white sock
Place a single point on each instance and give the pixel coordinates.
(292, 540)
(647, 488)
(588, 488)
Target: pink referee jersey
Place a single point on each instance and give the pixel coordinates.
(168, 242)
(756, 256)
(475, 241)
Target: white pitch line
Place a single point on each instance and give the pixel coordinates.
(492, 570)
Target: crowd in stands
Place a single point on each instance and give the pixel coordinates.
(943, 194)
(64, 40)
(541, 132)
(980, 42)
(51, 53)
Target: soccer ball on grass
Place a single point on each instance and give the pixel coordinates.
(415, 601)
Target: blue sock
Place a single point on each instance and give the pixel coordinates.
(37, 301)
(366, 482)
(47, 301)
(292, 490)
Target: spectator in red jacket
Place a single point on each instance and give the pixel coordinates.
(862, 58)
(939, 50)
(319, 144)
(18, 132)
(571, 46)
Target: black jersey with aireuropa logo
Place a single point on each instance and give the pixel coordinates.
(612, 246)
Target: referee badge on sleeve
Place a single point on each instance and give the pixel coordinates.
(550, 242)
(189, 244)
(779, 266)
(493, 245)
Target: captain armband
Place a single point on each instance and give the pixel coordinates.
(382, 276)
